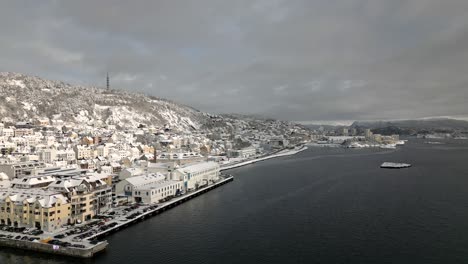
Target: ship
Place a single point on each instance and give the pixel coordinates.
(393, 165)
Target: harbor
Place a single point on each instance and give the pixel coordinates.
(86, 239)
(89, 243)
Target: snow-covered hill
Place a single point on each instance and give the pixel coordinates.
(24, 97)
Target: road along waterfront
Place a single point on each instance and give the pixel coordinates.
(90, 245)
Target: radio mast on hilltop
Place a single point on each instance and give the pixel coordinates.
(107, 82)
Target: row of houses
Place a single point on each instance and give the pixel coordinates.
(60, 196)
(47, 202)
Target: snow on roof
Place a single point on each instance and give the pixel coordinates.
(198, 167)
(157, 185)
(145, 179)
(3, 177)
(45, 198)
(33, 180)
(66, 184)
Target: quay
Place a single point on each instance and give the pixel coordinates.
(161, 208)
(93, 244)
(53, 249)
(281, 153)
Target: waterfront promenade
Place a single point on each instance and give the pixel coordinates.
(282, 153)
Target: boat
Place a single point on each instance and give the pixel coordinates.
(388, 146)
(394, 165)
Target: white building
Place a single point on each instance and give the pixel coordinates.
(156, 192)
(8, 132)
(128, 185)
(102, 150)
(130, 172)
(242, 153)
(197, 175)
(47, 155)
(83, 152)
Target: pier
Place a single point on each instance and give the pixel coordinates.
(121, 223)
(281, 153)
(91, 245)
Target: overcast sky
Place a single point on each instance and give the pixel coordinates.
(295, 60)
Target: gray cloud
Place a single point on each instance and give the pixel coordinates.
(296, 60)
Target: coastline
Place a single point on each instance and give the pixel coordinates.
(281, 153)
(121, 223)
(90, 250)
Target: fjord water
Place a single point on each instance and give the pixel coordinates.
(324, 205)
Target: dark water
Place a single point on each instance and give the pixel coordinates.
(320, 206)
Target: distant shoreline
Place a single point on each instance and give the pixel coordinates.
(281, 153)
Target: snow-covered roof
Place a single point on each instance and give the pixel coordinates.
(65, 184)
(45, 198)
(33, 180)
(146, 179)
(157, 185)
(198, 167)
(3, 177)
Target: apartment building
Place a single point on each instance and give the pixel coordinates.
(46, 210)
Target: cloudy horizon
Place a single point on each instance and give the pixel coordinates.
(301, 60)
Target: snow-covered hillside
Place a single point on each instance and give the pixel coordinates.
(25, 98)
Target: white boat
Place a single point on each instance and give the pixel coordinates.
(394, 165)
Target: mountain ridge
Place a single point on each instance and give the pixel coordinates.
(26, 97)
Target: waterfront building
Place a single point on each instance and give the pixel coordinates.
(197, 175)
(242, 153)
(45, 210)
(278, 142)
(157, 192)
(128, 185)
(338, 139)
(88, 194)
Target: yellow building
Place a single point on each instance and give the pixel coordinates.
(44, 210)
(88, 196)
